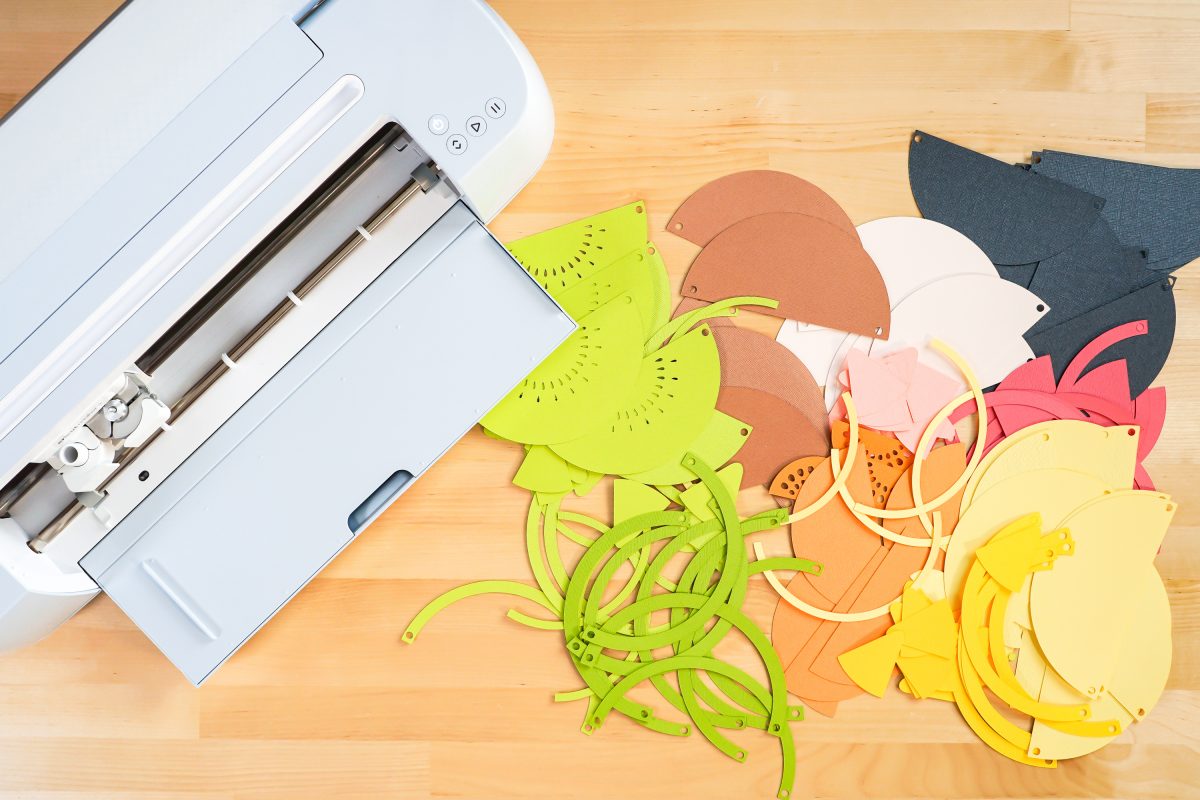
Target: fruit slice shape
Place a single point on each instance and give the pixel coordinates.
(583, 381)
(562, 256)
(722, 438)
(728, 200)
(667, 406)
(638, 274)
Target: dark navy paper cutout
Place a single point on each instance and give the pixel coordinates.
(1014, 214)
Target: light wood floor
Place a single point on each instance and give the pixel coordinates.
(654, 97)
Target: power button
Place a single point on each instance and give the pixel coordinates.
(438, 124)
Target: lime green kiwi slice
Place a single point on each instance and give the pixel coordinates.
(716, 444)
(641, 274)
(664, 410)
(580, 385)
(561, 257)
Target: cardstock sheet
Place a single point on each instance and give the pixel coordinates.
(1090, 273)
(720, 440)
(1144, 355)
(728, 200)
(1146, 205)
(818, 272)
(1014, 215)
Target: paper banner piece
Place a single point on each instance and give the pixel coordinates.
(1090, 273)
(562, 256)
(640, 274)
(1016, 216)
(1147, 206)
(733, 198)
(817, 271)
(662, 411)
(981, 317)
(582, 382)
(1144, 355)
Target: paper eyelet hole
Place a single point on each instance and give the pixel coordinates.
(692, 289)
(651, 250)
(1041, 307)
(638, 209)
(917, 138)
(1037, 751)
(1132, 432)
(678, 226)
(746, 432)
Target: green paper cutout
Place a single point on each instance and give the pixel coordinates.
(635, 274)
(700, 501)
(671, 401)
(543, 472)
(722, 308)
(719, 441)
(631, 498)
(581, 383)
(561, 257)
(702, 613)
(589, 481)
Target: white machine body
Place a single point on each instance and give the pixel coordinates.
(247, 297)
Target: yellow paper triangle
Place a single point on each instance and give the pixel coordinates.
(870, 666)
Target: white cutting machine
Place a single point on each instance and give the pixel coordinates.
(246, 298)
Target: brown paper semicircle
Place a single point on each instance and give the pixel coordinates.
(817, 272)
(728, 200)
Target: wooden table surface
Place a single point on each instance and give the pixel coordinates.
(654, 97)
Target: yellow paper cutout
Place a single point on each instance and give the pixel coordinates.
(1080, 609)
(870, 666)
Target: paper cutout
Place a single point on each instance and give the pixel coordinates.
(910, 253)
(1083, 646)
(982, 318)
(697, 498)
(1015, 216)
(754, 361)
(543, 472)
(631, 498)
(1052, 492)
(1147, 206)
(580, 384)
(562, 256)
(780, 432)
(896, 393)
(1144, 355)
(638, 274)
(723, 436)
(689, 304)
(787, 483)
(1093, 271)
(1107, 453)
(818, 272)
(726, 201)
(663, 411)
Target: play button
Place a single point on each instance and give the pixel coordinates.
(476, 126)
